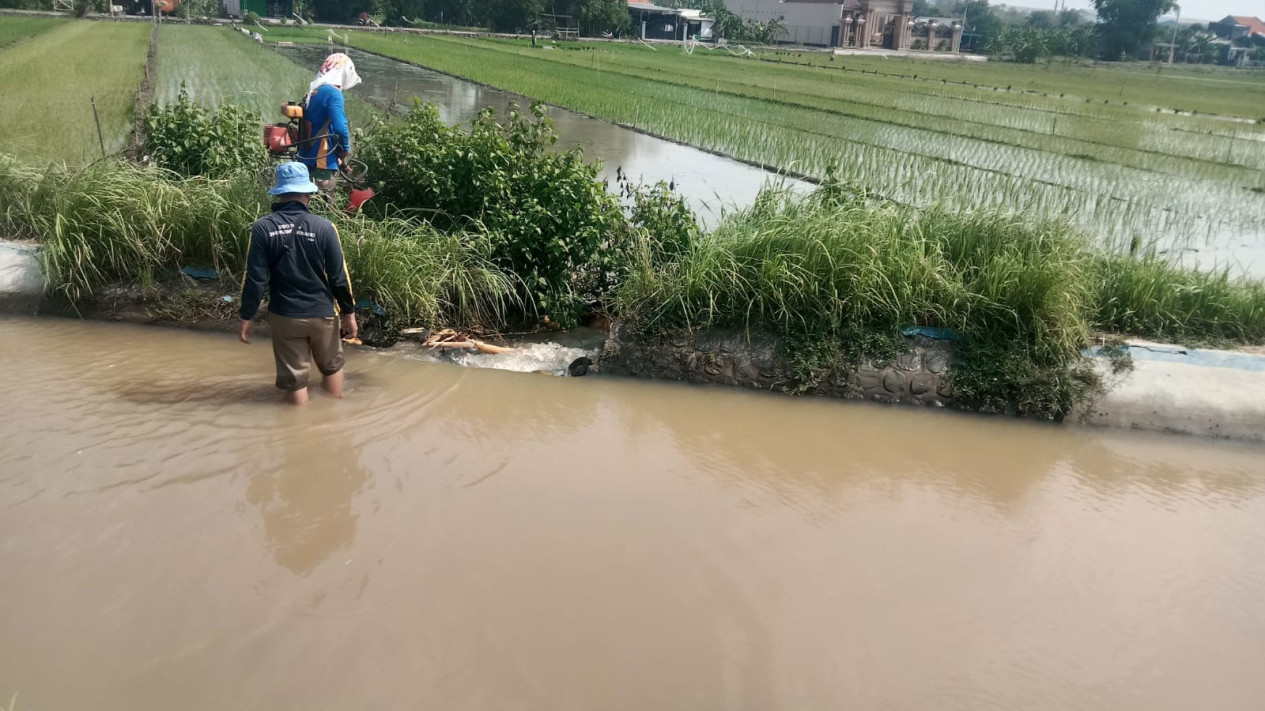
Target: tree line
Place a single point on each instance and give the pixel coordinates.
(1119, 30)
(1122, 28)
(590, 17)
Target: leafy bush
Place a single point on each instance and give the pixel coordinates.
(545, 212)
(193, 140)
(664, 219)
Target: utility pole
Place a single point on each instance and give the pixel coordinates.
(1172, 45)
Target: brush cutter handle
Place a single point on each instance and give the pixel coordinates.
(354, 172)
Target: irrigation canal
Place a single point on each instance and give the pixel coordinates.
(709, 182)
(457, 538)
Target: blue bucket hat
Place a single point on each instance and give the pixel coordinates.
(293, 178)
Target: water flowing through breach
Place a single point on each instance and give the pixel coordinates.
(457, 538)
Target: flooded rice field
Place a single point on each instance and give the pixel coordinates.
(709, 182)
(458, 538)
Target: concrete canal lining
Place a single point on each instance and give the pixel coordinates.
(1170, 388)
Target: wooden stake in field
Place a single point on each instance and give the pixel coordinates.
(97, 119)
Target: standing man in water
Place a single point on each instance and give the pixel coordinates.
(297, 255)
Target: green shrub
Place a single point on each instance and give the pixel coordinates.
(192, 140)
(545, 211)
(664, 219)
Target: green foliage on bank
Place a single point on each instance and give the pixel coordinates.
(831, 266)
(190, 139)
(1150, 296)
(489, 225)
(119, 223)
(545, 211)
(1022, 296)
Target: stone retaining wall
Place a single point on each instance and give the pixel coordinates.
(917, 376)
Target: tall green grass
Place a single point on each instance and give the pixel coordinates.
(49, 81)
(1150, 296)
(118, 223)
(821, 266)
(1022, 296)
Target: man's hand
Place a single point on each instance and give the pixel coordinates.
(350, 328)
(243, 334)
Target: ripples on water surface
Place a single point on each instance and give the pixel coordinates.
(449, 538)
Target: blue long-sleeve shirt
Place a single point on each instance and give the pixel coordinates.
(296, 255)
(325, 114)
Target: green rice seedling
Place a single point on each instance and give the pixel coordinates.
(15, 29)
(220, 66)
(48, 115)
(1114, 171)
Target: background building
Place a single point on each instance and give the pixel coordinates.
(862, 24)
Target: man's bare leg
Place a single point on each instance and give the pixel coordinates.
(297, 397)
(334, 384)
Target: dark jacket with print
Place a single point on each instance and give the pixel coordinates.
(297, 256)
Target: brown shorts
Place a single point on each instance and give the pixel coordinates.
(296, 342)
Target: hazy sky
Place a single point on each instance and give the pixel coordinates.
(1191, 9)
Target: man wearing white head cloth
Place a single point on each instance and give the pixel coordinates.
(325, 119)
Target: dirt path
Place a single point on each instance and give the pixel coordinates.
(144, 98)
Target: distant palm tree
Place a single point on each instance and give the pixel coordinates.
(1202, 46)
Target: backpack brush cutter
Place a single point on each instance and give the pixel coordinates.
(283, 140)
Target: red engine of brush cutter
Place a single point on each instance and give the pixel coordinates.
(280, 138)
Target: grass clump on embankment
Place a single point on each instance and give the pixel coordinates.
(1022, 296)
(833, 269)
(50, 80)
(1150, 296)
(118, 223)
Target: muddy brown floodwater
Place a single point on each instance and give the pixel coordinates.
(453, 538)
